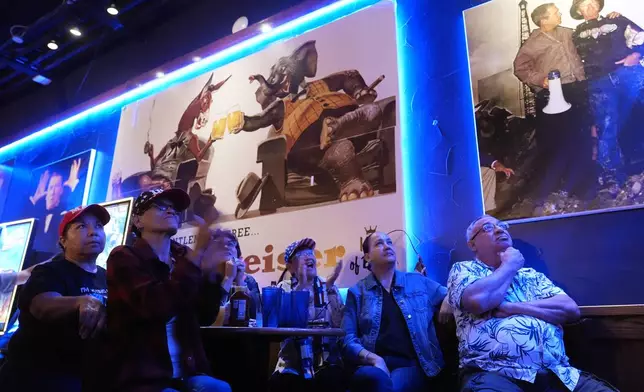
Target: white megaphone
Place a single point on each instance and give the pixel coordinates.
(556, 103)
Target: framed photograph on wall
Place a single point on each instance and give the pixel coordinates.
(15, 240)
(117, 229)
(54, 189)
(558, 93)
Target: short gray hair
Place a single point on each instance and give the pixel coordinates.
(540, 13)
(470, 229)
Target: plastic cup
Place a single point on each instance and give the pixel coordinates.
(300, 309)
(271, 300)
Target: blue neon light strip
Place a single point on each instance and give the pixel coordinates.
(405, 139)
(287, 30)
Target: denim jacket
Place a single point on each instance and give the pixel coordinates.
(417, 297)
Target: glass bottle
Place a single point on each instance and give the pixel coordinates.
(240, 303)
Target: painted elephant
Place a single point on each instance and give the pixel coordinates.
(329, 126)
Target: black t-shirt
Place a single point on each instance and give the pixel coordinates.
(601, 42)
(55, 345)
(393, 338)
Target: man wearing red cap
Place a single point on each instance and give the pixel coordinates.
(160, 293)
(61, 310)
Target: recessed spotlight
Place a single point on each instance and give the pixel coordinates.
(160, 74)
(265, 27)
(112, 10)
(45, 81)
(196, 58)
(52, 45)
(75, 32)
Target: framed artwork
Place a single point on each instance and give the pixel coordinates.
(557, 88)
(54, 189)
(15, 241)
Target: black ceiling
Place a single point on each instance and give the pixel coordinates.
(47, 20)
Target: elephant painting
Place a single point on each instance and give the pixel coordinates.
(330, 139)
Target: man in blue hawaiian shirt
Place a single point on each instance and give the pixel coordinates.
(508, 320)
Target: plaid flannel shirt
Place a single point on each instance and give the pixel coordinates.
(143, 295)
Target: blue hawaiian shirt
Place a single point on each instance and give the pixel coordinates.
(517, 346)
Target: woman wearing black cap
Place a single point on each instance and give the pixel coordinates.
(160, 293)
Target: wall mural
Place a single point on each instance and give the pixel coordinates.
(307, 125)
(553, 143)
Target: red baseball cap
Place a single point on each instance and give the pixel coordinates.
(95, 209)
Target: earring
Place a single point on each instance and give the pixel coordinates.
(366, 264)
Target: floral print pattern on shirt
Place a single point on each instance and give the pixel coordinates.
(517, 346)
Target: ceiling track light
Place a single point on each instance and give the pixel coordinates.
(75, 32)
(112, 10)
(17, 32)
(52, 45)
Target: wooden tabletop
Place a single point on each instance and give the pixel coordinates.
(274, 331)
(612, 310)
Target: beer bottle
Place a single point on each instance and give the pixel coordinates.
(240, 303)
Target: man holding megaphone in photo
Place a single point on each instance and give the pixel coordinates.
(550, 65)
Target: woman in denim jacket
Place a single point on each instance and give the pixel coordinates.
(388, 320)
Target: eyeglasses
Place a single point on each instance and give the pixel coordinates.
(165, 207)
(489, 227)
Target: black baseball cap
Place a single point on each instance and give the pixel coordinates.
(179, 199)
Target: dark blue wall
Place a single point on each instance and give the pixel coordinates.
(597, 259)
